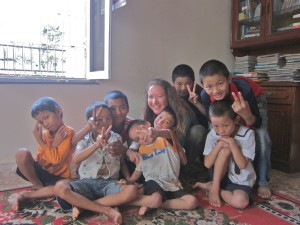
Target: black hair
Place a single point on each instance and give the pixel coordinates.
(183, 70)
(221, 108)
(169, 110)
(213, 67)
(44, 103)
(135, 122)
(115, 95)
(89, 109)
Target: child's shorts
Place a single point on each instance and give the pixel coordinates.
(44, 176)
(92, 189)
(151, 187)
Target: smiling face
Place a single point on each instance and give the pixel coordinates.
(223, 125)
(49, 120)
(164, 120)
(140, 138)
(119, 110)
(216, 86)
(157, 99)
(181, 84)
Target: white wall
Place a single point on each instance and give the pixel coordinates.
(150, 37)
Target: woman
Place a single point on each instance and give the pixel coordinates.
(191, 135)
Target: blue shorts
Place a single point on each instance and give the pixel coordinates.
(228, 185)
(151, 187)
(92, 189)
(44, 176)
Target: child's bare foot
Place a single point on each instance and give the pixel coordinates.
(143, 210)
(115, 215)
(264, 191)
(76, 212)
(214, 196)
(16, 205)
(205, 186)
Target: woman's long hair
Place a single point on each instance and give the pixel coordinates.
(180, 107)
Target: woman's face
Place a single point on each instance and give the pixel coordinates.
(157, 99)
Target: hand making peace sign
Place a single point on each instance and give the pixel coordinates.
(193, 97)
(240, 106)
(104, 136)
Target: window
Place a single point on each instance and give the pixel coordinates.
(54, 40)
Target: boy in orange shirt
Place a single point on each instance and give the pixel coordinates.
(54, 153)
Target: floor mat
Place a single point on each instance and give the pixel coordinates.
(279, 210)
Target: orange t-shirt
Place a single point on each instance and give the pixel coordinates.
(56, 160)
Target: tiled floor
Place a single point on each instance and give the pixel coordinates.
(288, 184)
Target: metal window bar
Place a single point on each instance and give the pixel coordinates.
(28, 60)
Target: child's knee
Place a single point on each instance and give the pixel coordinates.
(240, 201)
(156, 201)
(22, 155)
(192, 202)
(131, 192)
(61, 187)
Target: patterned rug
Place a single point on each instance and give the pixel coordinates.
(278, 210)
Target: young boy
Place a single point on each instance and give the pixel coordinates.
(160, 165)
(98, 170)
(54, 152)
(229, 150)
(183, 78)
(118, 104)
(249, 102)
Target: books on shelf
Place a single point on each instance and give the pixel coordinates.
(290, 5)
(286, 69)
(265, 63)
(250, 31)
(245, 64)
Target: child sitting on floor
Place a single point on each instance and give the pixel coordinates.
(160, 165)
(229, 150)
(55, 148)
(98, 189)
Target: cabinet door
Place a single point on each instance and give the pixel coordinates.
(283, 20)
(247, 22)
(279, 125)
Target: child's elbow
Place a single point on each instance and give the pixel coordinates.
(184, 162)
(75, 161)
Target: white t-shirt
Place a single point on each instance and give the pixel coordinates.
(90, 167)
(245, 139)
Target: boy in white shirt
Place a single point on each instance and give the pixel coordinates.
(98, 189)
(229, 150)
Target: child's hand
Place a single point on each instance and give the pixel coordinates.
(221, 143)
(92, 122)
(59, 136)
(38, 129)
(122, 181)
(91, 125)
(240, 106)
(227, 142)
(116, 149)
(193, 97)
(133, 156)
(146, 134)
(103, 137)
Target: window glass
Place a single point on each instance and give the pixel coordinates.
(54, 40)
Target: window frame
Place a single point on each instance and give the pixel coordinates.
(90, 77)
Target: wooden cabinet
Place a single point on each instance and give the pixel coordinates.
(259, 26)
(284, 124)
